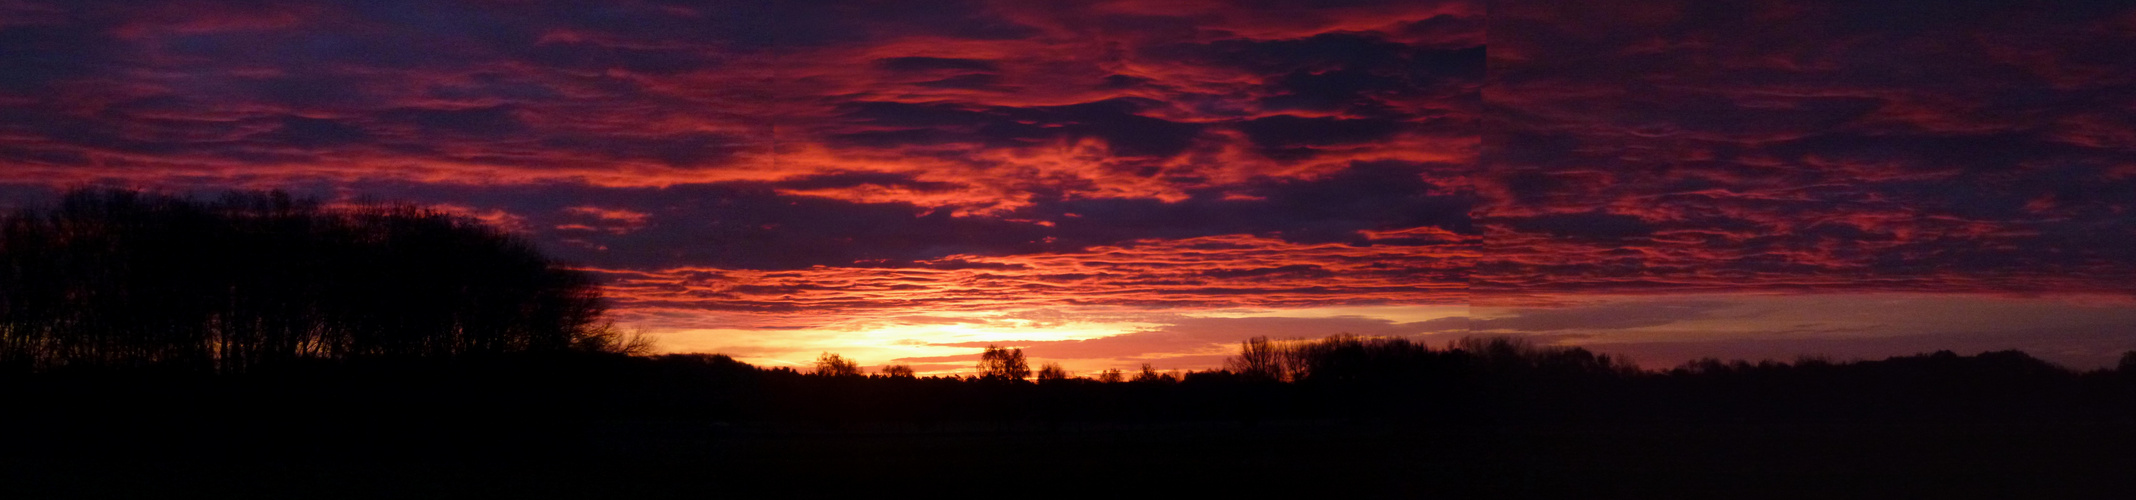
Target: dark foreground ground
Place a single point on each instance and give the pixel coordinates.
(1396, 422)
(1323, 459)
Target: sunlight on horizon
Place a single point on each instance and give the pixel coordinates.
(922, 342)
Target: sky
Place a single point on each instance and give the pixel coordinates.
(1113, 183)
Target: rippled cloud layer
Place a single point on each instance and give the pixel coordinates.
(912, 180)
(1683, 146)
(782, 165)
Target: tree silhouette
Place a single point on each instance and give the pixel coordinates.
(1110, 375)
(606, 338)
(114, 278)
(1151, 375)
(1051, 372)
(832, 365)
(1001, 363)
(1260, 359)
(897, 371)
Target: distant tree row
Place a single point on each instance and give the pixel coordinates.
(114, 278)
(996, 363)
(1344, 358)
(1338, 358)
(1469, 380)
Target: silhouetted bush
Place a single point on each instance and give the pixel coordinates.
(123, 279)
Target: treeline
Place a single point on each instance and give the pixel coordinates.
(1470, 380)
(125, 279)
(559, 401)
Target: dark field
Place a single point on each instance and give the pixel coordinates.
(1374, 419)
(1324, 459)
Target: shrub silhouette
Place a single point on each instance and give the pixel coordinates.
(118, 279)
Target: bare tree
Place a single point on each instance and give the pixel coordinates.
(607, 338)
(1260, 359)
(1111, 375)
(898, 371)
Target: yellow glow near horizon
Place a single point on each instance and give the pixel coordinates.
(913, 340)
(876, 343)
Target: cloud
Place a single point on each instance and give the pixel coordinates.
(1116, 121)
(1610, 316)
(916, 63)
(1595, 225)
(1674, 147)
(769, 165)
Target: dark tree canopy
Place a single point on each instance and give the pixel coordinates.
(833, 365)
(1003, 363)
(1053, 372)
(113, 278)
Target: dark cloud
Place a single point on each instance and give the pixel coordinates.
(936, 63)
(1283, 131)
(680, 150)
(1336, 90)
(1445, 28)
(971, 82)
(490, 121)
(835, 180)
(740, 226)
(596, 57)
(1116, 82)
(748, 226)
(1115, 120)
(855, 20)
(1596, 225)
(1330, 209)
(1303, 270)
(313, 132)
(1334, 50)
(35, 57)
(1354, 72)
